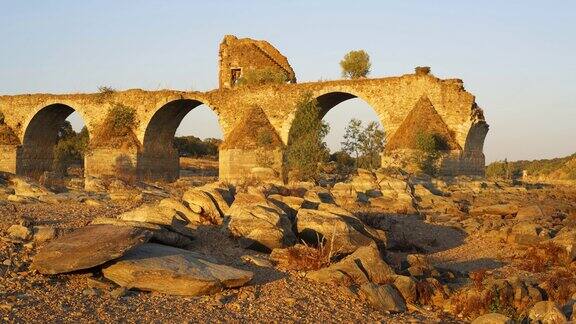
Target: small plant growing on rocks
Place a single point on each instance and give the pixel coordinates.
(116, 130)
(540, 257)
(106, 90)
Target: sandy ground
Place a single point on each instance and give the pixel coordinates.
(272, 296)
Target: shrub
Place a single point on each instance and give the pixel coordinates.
(262, 76)
(355, 64)
(106, 90)
(1, 117)
(430, 147)
(344, 162)
(540, 257)
(116, 130)
(306, 147)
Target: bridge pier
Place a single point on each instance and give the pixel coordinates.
(121, 163)
(159, 165)
(9, 158)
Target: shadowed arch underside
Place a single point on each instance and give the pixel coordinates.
(159, 158)
(40, 137)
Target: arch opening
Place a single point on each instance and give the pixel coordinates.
(55, 140)
(356, 135)
(181, 138)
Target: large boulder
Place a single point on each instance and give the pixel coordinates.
(363, 266)
(335, 227)
(19, 232)
(27, 188)
(318, 195)
(204, 204)
(160, 233)
(289, 204)
(529, 213)
(364, 181)
(499, 209)
(492, 318)
(190, 216)
(169, 270)
(344, 194)
(221, 195)
(527, 233)
(384, 297)
(259, 224)
(88, 247)
(546, 312)
(160, 215)
(566, 238)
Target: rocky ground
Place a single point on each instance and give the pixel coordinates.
(393, 248)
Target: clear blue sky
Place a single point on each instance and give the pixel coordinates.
(517, 57)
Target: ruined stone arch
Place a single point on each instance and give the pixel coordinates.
(475, 138)
(158, 158)
(39, 135)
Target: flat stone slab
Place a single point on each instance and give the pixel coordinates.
(88, 247)
(169, 270)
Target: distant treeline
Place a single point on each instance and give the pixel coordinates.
(195, 147)
(553, 169)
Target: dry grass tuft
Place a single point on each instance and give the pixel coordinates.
(477, 277)
(541, 257)
(559, 285)
(303, 257)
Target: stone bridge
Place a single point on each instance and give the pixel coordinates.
(35, 119)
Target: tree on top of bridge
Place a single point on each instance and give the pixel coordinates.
(355, 64)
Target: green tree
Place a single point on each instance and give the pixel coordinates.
(355, 64)
(371, 145)
(65, 130)
(353, 138)
(70, 150)
(365, 144)
(306, 146)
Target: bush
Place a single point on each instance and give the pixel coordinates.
(355, 64)
(1, 117)
(70, 150)
(262, 76)
(306, 147)
(540, 257)
(344, 162)
(116, 130)
(106, 90)
(430, 147)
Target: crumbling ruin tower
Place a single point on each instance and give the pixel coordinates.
(241, 56)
